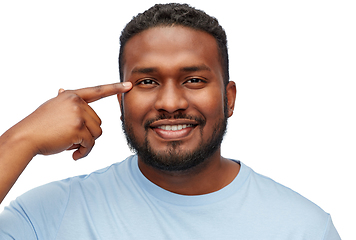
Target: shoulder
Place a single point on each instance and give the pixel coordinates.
(29, 212)
(42, 209)
(266, 187)
(57, 193)
(284, 206)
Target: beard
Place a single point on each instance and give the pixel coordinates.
(174, 159)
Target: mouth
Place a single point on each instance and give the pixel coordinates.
(173, 130)
(175, 127)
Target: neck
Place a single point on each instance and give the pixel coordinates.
(210, 176)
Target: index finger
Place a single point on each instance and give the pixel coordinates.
(92, 94)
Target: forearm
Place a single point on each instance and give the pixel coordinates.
(62, 123)
(15, 154)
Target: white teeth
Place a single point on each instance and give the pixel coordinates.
(174, 127)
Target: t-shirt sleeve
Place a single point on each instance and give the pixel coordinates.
(331, 232)
(36, 214)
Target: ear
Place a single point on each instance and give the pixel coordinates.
(231, 97)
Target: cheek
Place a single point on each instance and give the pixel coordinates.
(210, 103)
(136, 107)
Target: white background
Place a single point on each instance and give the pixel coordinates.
(293, 61)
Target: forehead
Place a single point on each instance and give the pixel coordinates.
(171, 47)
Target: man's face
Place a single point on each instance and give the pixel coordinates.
(175, 114)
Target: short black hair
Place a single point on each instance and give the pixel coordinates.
(176, 14)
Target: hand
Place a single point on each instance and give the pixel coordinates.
(67, 121)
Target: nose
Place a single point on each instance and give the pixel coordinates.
(171, 98)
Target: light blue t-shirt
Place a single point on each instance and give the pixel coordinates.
(118, 202)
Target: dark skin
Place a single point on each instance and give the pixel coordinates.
(65, 122)
(190, 80)
(177, 69)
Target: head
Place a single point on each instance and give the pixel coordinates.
(175, 115)
(176, 14)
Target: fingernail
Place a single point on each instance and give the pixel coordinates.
(126, 84)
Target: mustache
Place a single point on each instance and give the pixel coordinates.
(201, 121)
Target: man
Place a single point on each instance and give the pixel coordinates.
(175, 99)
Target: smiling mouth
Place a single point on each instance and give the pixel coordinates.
(173, 132)
(175, 127)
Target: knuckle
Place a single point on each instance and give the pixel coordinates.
(78, 123)
(98, 90)
(100, 132)
(96, 133)
(75, 98)
(92, 143)
(77, 112)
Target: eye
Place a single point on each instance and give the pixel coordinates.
(195, 83)
(146, 83)
(194, 80)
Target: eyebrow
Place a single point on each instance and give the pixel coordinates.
(197, 68)
(144, 70)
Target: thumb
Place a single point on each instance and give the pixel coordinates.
(60, 91)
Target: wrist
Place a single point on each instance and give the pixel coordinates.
(18, 144)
